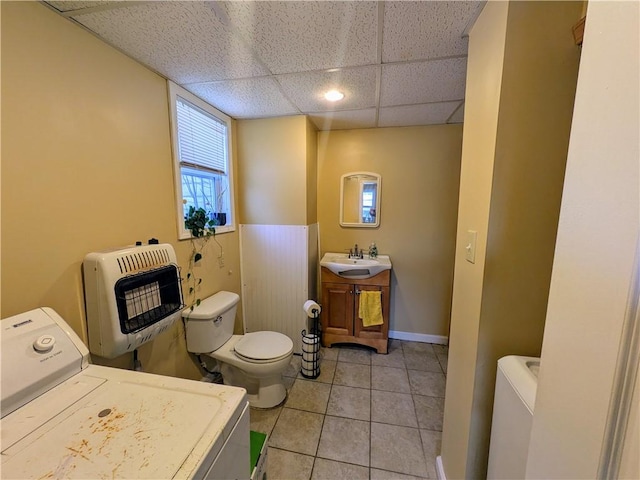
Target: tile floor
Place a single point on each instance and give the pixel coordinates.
(367, 416)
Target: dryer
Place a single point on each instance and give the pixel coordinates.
(513, 406)
(63, 417)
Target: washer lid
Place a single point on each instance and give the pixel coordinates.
(105, 422)
(264, 345)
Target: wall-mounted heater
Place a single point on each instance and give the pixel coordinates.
(132, 295)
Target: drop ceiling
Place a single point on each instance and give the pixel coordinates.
(398, 63)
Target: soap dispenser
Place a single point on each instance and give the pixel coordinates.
(373, 250)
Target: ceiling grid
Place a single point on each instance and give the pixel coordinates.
(399, 63)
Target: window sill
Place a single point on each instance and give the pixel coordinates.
(186, 235)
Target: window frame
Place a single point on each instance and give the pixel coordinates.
(176, 91)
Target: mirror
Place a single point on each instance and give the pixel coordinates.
(360, 199)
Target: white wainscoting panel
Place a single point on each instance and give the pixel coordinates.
(275, 263)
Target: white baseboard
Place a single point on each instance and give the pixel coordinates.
(440, 469)
(419, 337)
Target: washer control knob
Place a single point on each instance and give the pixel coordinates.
(44, 343)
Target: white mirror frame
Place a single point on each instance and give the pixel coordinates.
(362, 177)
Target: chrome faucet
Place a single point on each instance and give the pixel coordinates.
(355, 253)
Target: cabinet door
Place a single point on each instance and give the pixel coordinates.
(376, 331)
(337, 308)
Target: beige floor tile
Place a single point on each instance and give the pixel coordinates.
(352, 375)
(398, 449)
(345, 440)
(367, 419)
(288, 383)
(443, 358)
(441, 349)
(330, 470)
(263, 420)
(308, 395)
(297, 431)
(390, 379)
(427, 383)
(418, 347)
(393, 408)
(355, 355)
(384, 475)
(350, 402)
(327, 371)
(431, 443)
(395, 358)
(294, 367)
(401, 343)
(283, 465)
(394, 344)
(430, 411)
(425, 361)
(329, 353)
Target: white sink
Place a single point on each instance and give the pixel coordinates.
(357, 268)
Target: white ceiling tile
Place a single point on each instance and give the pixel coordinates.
(294, 36)
(458, 115)
(344, 120)
(254, 97)
(427, 114)
(255, 59)
(69, 5)
(306, 90)
(423, 82)
(426, 29)
(182, 40)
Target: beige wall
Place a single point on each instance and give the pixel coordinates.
(499, 303)
(86, 165)
(276, 171)
(420, 168)
(484, 80)
(312, 172)
(593, 289)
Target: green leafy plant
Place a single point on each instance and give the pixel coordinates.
(201, 225)
(199, 222)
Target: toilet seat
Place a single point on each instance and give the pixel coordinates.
(263, 347)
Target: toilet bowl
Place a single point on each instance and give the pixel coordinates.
(254, 361)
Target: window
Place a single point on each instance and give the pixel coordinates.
(368, 202)
(201, 138)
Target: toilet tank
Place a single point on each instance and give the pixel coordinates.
(513, 406)
(210, 324)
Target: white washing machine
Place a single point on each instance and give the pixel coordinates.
(65, 418)
(513, 405)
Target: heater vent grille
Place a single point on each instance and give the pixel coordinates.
(134, 262)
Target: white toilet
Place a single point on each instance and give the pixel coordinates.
(254, 361)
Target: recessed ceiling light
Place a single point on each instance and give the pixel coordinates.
(334, 95)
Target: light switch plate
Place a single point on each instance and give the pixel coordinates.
(470, 246)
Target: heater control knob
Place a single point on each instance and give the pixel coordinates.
(44, 343)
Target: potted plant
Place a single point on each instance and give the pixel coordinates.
(201, 225)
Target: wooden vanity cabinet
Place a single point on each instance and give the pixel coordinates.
(339, 316)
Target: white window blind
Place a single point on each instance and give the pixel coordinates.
(202, 138)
